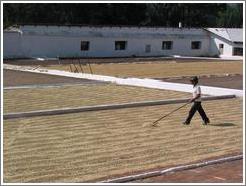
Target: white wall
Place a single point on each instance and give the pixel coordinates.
(43, 46)
(12, 45)
(53, 41)
(215, 40)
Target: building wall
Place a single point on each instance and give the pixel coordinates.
(54, 41)
(215, 40)
(43, 46)
(12, 45)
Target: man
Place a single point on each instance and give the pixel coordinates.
(197, 106)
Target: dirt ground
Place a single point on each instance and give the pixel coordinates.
(158, 69)
(109, 60)
(30, 159)
(18, 78)
(56, 97)
(82, 147)
(234, 82)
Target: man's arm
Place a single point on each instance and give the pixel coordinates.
(193, 99)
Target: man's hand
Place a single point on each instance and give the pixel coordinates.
(191, 100)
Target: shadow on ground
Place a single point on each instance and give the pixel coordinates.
(223, 124)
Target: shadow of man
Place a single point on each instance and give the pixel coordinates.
(223, 124)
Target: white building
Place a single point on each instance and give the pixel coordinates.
(226, 41)
(47, 41)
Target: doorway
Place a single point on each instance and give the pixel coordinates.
(147, 48)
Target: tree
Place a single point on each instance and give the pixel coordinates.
(138, 14)
(231, 17)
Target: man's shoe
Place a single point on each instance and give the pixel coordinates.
(206, 122)
(186, 123)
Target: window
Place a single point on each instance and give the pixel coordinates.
(84, 45)
(167, 45)
(221, 48)
(237, 51)
(196, 45)
(120, 45)
(238, 42)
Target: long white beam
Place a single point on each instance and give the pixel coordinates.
(145, 175)
(148, 83)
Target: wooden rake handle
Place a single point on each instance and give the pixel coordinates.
(155, 122)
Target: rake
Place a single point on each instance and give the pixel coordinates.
(155, 122)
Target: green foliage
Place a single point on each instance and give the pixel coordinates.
(138, 14)
(231, 17)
